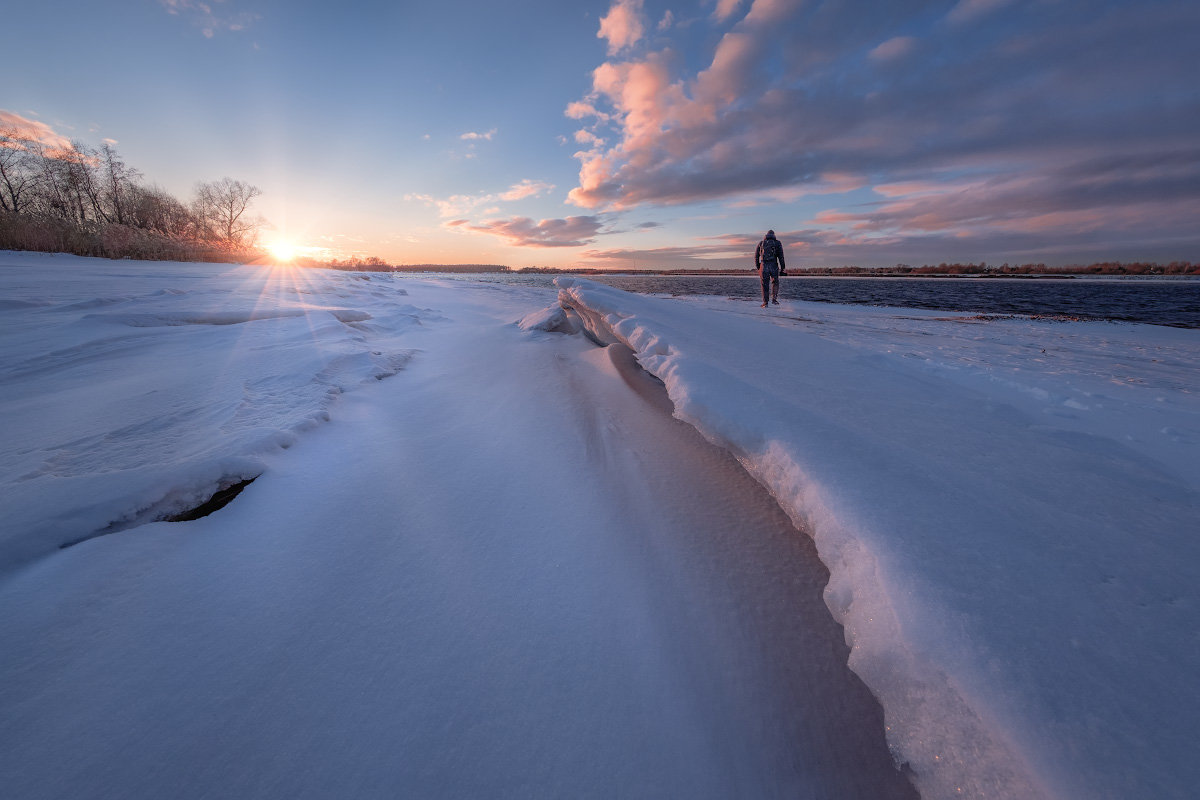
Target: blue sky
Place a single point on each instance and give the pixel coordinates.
(648, 133)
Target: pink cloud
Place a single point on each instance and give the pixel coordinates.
(896, 47)
(458, 205)
(969, 10)
(767, 12)
(725, 9)
(623, 26)
(958, 147)
(18, 127)
(524, 232)
(526, 188)
(472, 136)
(581, 109)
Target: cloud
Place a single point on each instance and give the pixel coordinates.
(210, 17)
(582, 109)
(623, 26)
(698, 257)
(970, 10)
(462, 204)
(668, 19)
(472, 136)
(524, 232)
(896, 47)
(526, 188)
(1041, 92)
(588, 138)
(723, 251)
(1139, 206)
(18, 127)
(725, 9)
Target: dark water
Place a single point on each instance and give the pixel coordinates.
(1167, 301)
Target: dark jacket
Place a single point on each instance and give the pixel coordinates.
(759, 250)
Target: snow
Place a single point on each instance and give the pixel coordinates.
(483, 558)
(499, 572)
(123, 407)
(1008, 509)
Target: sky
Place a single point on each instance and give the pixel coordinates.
(647, 134)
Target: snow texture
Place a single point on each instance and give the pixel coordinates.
(130, 394)
(509, 571)
(1008, 509)
(500, 573)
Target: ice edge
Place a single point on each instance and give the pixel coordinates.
(917, 696)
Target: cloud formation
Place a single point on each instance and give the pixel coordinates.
(970, 10)
(795, 92)
(896, 47)
(461, 204)
(725, 9)
(524, 232)
(623, 26)
(210, 17)
(15, 126)
(473, 136)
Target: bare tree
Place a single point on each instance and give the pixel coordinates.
(118, 181)
(221, 206)
(18, 172)
(154, 209)
(79, 166)
(68, 189)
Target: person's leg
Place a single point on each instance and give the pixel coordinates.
(775, 286)
(765, 274)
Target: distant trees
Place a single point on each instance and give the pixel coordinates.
(985, 269)
(70, 197)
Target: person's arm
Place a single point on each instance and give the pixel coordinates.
(782, 266)
(758, 256)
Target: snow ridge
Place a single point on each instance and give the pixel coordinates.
(973, 548)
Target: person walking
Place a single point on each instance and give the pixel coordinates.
(768, 260)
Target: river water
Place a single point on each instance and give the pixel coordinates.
(1161, 301)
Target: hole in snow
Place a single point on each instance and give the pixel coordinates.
(229, 488)
(219, 500)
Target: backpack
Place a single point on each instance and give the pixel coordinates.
(770, 250)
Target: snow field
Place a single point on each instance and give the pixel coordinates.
(123, 408)
(499, 573)
(502, 572)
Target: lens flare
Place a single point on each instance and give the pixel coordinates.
(282, 251)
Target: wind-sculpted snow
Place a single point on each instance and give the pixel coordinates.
(136, 406)
(500, 574)
(1008, 509)
(508, 571)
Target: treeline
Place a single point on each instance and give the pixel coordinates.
(983, 268)
(78, 199)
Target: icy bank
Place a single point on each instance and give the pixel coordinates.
(1008, 509)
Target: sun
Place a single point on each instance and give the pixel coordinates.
(282, 251)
